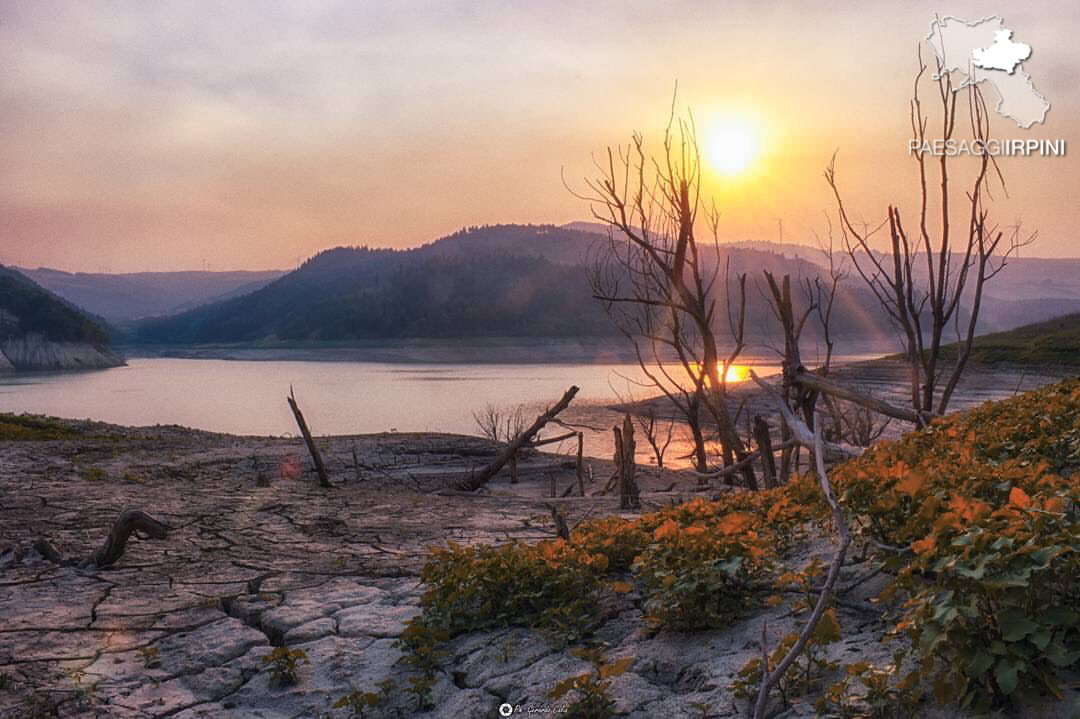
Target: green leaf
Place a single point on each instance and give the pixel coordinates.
(980, 664)
(828, 629)
(1006, 675)
(1062, 616)
(1044, 555)
(1015, 625)
(1040, 638)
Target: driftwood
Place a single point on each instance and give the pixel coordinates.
(126, 524)
(769, 679)
(801, 432)
(479, 479)
(750, 458)
(817, 383)
(131, 521)
(320, 469)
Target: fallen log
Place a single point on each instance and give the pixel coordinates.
(816, 382)
(801, 432)
(129, 522)
(479, 479)
(750, 458)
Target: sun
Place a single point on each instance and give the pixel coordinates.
(731, 145)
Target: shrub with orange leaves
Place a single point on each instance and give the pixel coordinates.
(552, 585)
(699, 576)
(620, 540)
(987, 502)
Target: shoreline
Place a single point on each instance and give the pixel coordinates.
(488, 350)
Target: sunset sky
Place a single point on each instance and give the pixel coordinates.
(159, 135)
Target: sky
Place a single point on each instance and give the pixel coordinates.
(250, 135)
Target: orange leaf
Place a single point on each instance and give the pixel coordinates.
(666, 530)
(736, 522)
(911, 484)
(1019, 498)
(924, 545)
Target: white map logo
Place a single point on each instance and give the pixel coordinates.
(984, 51)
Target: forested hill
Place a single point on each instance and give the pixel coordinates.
(505, 281)
(496, 281)
(40, 331)
(27, 308)
(349, 293)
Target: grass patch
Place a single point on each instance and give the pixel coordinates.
(1052, 342)
(1055, 341)
(29, 427)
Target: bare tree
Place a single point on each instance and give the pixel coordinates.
(657, 433)
(959, 261)
(500, 425)
(657, 282)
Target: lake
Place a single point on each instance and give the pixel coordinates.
(247, 397)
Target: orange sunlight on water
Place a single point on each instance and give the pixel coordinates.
(737, 373)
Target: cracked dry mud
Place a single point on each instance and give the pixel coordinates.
(178, 627)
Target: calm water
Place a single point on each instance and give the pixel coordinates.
(248, 397)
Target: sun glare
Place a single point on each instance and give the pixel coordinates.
(737, 373)
(731, 145)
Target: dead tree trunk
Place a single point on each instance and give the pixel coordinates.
(356, 463)
(562, 530)
(513, 469)
(764, 443)
(628, 489)
(579, 464)
(481, 478)
(320, 469)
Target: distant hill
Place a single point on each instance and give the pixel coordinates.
(496, 281)
(506, 281)
(38, 330)
(1055, 341)
(121, 298)
(450, 290)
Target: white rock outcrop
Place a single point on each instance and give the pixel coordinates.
(35, 352)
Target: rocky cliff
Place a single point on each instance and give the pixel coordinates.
(40, 331)
(35, 352)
